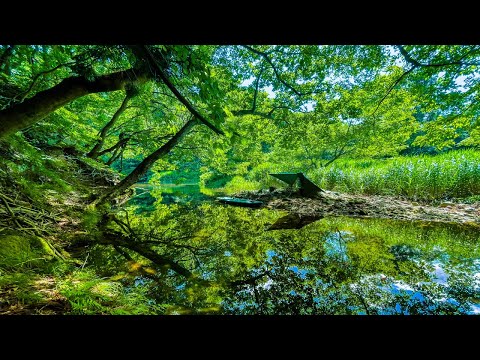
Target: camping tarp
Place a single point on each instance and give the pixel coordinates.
(307, 188)
(289, 178)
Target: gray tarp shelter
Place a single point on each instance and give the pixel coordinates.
(307, 188)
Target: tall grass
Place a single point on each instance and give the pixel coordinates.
(454, 174)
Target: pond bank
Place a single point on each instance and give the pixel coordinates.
(330, 203)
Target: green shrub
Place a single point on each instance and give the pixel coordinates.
(88, 294)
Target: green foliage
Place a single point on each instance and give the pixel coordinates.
(20, 252)
(90, 295)
(331, 256)
(25, 264)
(449, 175)
(354, 108)
(238, 184)
(90, 218)
(424, 237)
(341, 114)
(21, 282)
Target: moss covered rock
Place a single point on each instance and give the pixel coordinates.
(19, 250)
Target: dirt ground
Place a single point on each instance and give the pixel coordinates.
(330, 203)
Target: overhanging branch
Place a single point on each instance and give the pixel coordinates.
(144, 50)
(416, 64)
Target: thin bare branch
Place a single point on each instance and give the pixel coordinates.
(257, 83)
(392, 86)
(416, 63)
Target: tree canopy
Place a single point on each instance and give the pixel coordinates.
(258, 102)
(226, 116)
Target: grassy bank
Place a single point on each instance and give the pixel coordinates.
(453, 175)
(450, 175)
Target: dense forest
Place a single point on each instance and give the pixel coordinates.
(113, 158)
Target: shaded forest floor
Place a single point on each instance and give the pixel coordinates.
(42, 214)
(329, 203)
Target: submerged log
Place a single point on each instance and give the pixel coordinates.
(240, 202)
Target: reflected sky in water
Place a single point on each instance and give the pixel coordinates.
(363, 266)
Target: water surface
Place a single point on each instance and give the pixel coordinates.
(336, 265)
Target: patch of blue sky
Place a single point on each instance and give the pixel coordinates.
(460, 81)
(335, 247)
(440, 276)
(302, 273)
(271, 254)
(394, 52)
(257, 271)
(351, 121)
(475, 309)
(398, 308)
(207, 275)
(139, 281)
(247, 82)
(309, 106)
(306, 107)
(268, 284)
(322, 285)
(268, 89)
(180, 287)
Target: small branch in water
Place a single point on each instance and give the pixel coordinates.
(85, 262)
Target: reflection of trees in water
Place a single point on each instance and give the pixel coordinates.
(332, 266)
(304, 293)
(359, 275)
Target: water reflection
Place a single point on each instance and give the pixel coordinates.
(146, 195)
(353, 266)
(330, 266)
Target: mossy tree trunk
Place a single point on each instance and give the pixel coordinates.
(146, 164)
(36, 108)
